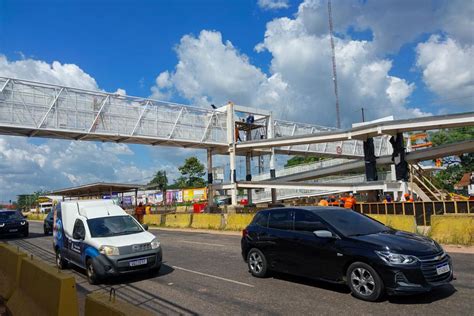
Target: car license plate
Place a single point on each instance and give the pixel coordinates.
(13, 230)
(442, 269)
(138, 262)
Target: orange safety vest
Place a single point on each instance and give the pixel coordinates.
(323, 203)
(349, 202)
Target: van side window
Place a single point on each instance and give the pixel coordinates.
(308, 222)
(79, 231)
(281, 219)
(261, 219)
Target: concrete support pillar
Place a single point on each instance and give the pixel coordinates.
(210, 191)
(271, 134)
(248, 169)
(231, 141)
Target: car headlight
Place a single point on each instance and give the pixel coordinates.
(155, 243)
(2, 225)
(109, 250)
(23, 223)
(396, 258)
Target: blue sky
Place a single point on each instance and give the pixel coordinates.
(406, 58)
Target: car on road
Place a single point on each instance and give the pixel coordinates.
(48, 223)
(103, 239)
(342, 246)
(13, 223)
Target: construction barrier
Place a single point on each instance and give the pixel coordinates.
(453, 229)
(101, 304)
(421, 210)
(400, 222)
(36, 217)
(152, 219)
(207, 221)
(178, 220)
(10, 265)
(43, 291)
(238, 221)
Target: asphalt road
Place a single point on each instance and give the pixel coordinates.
(205, 274)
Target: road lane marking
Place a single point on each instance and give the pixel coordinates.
(201, 243)
(213, 276)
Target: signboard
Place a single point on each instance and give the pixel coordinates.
(218, 173)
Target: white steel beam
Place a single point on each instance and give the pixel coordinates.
(140, 118)
(388, 128)
(4, 85)
(50, 107)
(98, 113)
(175, 123)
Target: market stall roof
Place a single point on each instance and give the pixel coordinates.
(95, 189)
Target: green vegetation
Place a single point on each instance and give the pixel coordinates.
(446, 179)
(160, 180)
(300, 160)
(192, 173)
(28, 201)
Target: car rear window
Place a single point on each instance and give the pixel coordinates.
(280, 220)
(261, 219)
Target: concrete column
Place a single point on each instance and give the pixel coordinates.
(210, 191)
(231, 141)
(248, 169)
(271, 134)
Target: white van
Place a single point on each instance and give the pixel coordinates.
(102, 238)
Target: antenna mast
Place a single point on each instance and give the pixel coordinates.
(334, 73)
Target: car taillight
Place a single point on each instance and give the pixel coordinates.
(245, 233)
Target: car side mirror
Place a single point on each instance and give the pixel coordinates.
(323, 234)
(145, 226)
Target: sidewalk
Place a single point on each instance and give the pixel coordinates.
(447, 248)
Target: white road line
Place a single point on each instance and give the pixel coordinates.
(201, 243)
(213, 276)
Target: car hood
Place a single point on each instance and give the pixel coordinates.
(124, 240)
(12, 221)
(401, 242)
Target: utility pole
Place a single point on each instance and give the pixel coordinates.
(363, 115)
(334, 72)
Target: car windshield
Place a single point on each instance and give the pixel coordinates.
(113, 226)
(350, 223)
(8, 216)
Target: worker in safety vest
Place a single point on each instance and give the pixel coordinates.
(333, 201)
(350, 201)
(237, 135)
(323, 202)
(408, 197)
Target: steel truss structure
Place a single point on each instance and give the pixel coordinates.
(44, 110)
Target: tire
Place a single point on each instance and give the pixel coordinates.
(364, 282)
(61, 263)
(257, 263)
(155, 271)
(92, 276)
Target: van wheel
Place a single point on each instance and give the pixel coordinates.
(61, 263)
(91, 274)
(364, 282)
(257, 263)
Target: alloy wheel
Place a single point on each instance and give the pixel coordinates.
(256, 262)
(362, 281)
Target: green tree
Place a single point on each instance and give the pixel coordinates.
(300, 160)
(160, 180)
(192, 173)
(446, 179)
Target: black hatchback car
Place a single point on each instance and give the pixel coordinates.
(13, 223)
(48, 224)
(342, 246)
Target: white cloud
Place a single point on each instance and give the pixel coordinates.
(26, 167)
(447, 69)
(211, 70)
(55, 73)
(273, 4)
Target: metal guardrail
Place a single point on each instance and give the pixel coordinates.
(421, 210)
